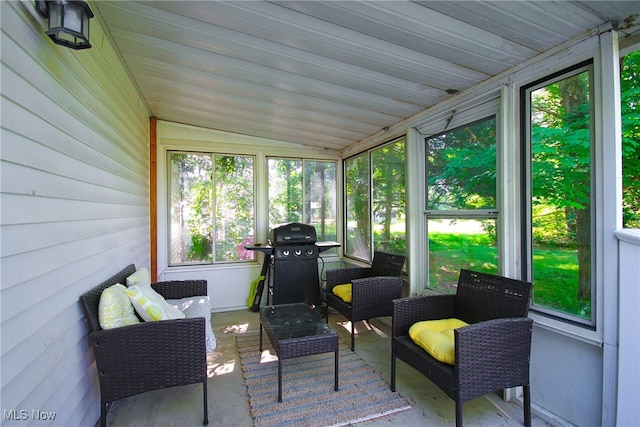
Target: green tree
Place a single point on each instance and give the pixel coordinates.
(561, 162)
(462, 168)
(234, 206)
(192, 204)
(630, 96)
(319, 197)
(207, 190)
(358, 217)
(285, 191)
(388, 189)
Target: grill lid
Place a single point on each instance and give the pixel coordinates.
(293, 233)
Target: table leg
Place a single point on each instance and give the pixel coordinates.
(260, 337)
(336, 372)
(279, 379)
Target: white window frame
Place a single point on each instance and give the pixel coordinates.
(527, 248)
(368, 153)
(470, 112)
(213, 155)
(602, 49)
(305, 160)
(179, 137)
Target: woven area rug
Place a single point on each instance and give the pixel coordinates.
(308, 398)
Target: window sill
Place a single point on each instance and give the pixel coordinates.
(569, 330)
(212, 266)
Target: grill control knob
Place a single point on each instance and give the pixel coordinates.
(309, 252)
(298, 252)
(285, 253)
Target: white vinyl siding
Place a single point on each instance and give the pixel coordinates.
(75, 209)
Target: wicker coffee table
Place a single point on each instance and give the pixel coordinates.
(295, 330)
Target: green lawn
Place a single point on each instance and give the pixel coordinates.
(449, 252)
(556, 269)
(556, 281)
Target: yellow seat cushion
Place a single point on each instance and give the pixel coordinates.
(343, 292)
(436, 337)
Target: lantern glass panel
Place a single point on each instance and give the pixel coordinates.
(73, 17)
(55, 15)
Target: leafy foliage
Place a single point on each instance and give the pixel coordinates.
(285, 191)
(303, 191)
(461, 166)
(207, 190)
(388, 194)
(375, 200)
(630, 93)
(561, 143)
(358, 218)
(234, 203)
(561, 171)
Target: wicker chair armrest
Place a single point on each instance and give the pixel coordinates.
(373, 296)
(492, 355)
(149, 355)
(176, 289)
(407, 311)
(345, 275)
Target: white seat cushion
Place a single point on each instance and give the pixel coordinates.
(150, 305)
(199, 306)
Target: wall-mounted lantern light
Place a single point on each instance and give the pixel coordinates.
(68, 22)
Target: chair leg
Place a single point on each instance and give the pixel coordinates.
(353, 340)
(526, 394)
(103, 414)
(458, 413)
(392, 385)
(206, 403)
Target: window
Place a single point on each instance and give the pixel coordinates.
(303, 191)
(461, 202)
(558, 233)
(375, 201)
(389, 231)
(211, 208)
(358, 207)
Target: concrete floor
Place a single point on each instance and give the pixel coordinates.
(228, 402)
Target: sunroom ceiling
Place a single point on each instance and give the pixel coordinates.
(330, 73)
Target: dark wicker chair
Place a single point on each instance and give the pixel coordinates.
(491, 354)
(373, 289)
(150, 355)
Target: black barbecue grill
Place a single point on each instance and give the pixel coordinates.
(291, 265)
